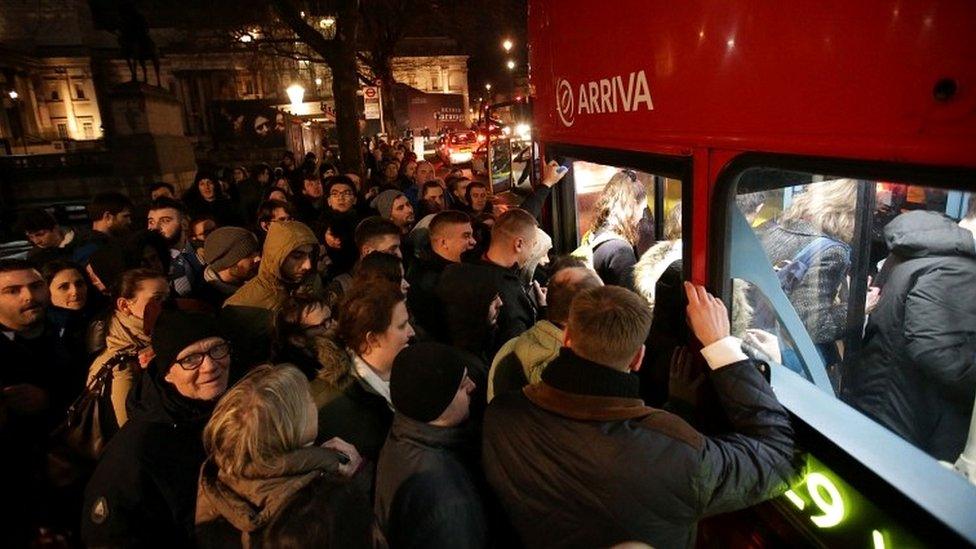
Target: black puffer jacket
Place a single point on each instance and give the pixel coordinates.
(143, 492)
(917, 371)
(614, 261)
(426, 492)
(579, 461)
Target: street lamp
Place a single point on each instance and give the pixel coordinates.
(488, 86)
(13, 94)
(507, 45)
(296, 94)
(510, 65)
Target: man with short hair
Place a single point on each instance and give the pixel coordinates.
(522, 360)
(288, 266)
(271, 211)
(161, 189)
(458, 186)
(312, 200)
(168, 218)
(38, 378)
(375, 234)
(450, 236)
(111, 216)
(232, 256)
(427, 494)
(637, 473)
(50, 241)
(512, 243)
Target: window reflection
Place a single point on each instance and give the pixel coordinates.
(882, 276)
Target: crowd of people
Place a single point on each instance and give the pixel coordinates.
(296, 356)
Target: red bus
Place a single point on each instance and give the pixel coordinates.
(738, 110)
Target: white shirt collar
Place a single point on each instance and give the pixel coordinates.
(366, 373)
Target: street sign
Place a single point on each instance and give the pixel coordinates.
(371, 101)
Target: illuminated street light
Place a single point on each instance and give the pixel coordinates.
(507, 45)
(13, 94)
(327, 22)
(245, 38)
(488, 86)
(510, 65)
(296, 94)
(318, 81)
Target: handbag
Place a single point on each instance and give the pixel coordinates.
(80, 439)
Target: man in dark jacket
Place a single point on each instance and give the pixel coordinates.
(512, 241)
(916, 374)
(450, 236)
(426, 492)
(36, 384)
(143, 492)
(579, 461)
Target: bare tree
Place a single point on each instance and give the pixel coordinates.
(340, 55)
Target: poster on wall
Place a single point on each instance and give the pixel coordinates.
(247, 124)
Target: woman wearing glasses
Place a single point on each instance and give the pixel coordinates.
(143, 491)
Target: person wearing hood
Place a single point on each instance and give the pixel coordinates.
(288, 266)
(233, 257)
(915, 374)
(126, 332)
(522, 360)
(265, 483)
(143, 491)
(206, 197)
(427, 477)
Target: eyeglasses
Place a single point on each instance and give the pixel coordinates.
(193, 361)
(340, 194)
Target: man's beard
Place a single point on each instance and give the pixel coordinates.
(172, 241)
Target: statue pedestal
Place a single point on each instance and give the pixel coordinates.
(148, 143)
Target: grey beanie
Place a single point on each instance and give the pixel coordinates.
(227, 245)
(383, 203)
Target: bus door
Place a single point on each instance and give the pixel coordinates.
(808, 252)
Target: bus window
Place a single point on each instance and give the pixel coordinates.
(866, 289)
(590, 179)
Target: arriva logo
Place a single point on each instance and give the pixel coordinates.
(609, 95)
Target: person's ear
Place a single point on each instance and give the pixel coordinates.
(107, 216)
(567, 342)
(635, 363)
(169, 375)
(122, 304)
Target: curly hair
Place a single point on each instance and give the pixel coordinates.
(621, 206)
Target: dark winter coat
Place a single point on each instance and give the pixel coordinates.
(426, 492)
(916, 373)
(354, 413)
(614, 261)
(422, 300)
(517, 314)
(44, 363)
(820, 298)
(143, 492)
(579, 461)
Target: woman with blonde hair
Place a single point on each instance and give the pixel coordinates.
(817, 230)
(614, 234)
(266, 483)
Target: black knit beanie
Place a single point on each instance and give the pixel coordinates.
(425, 378)
(176, 330)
